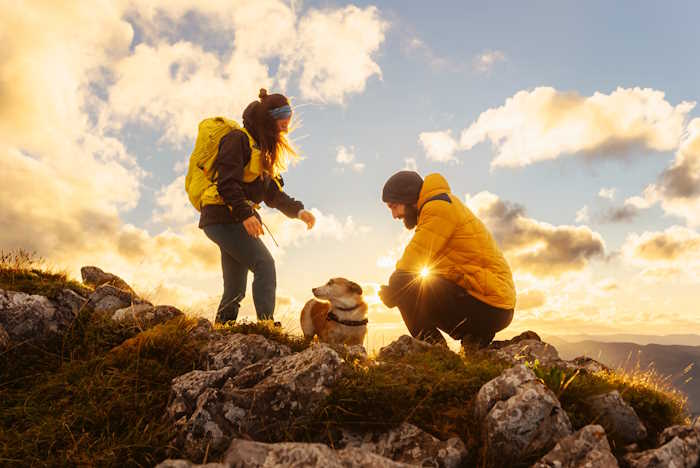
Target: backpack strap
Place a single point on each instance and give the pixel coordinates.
(439, 196)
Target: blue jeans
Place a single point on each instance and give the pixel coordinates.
(240, 252)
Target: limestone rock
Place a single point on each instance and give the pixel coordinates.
(93, 276)
(529, 351)
(588, 447)
(680, 448)
(618, 418)
(249, 454)
(241, 350)
(587, 364)
(269, 396)
(145, 315)
(351, 353)
(187, 388)
(409, 444)
(32, 317)
(526, 335)
(401, 347)
(107, 299)
(501, 388)
(203, 329)
(530, 421)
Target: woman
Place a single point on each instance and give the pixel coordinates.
(246, 171)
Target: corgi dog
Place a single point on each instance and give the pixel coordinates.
(341, 316)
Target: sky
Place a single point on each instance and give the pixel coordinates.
(570, 128)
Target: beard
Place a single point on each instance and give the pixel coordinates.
(410, 219)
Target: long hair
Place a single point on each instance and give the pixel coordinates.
(276, 150)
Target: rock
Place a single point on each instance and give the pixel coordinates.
(618, 418)
(401, 347)
(187, 388)
(409, 444)
(240, 350)
(261, 400)
(32, 317)
(586, 448)
(526, 335)
(107, 299)
(587, 364)
(679, 447)
(529, 351)
(4, 339)
(351, 353)
(501, 388)
(187, 464)
(145, 315)
(203, 329)
(93, 276)
(527, 423)
(268, 397)
(249, 454)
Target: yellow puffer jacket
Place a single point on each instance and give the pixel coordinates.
(456, 245)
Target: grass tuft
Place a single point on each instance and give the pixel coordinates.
(267, 329)
(25, 272)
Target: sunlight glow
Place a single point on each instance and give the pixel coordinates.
(425, 271)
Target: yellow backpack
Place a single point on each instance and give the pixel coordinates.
(199, 182)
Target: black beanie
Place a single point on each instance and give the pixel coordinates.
(403, 187)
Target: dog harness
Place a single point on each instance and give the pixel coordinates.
(350, 323)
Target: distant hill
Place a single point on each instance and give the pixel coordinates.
(678, 339)
(680, 363)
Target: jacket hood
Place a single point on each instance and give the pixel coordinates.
(433, 184)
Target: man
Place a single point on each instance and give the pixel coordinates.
(452, 275)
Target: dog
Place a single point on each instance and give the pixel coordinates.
(341, 318)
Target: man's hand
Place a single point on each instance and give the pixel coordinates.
(308, 218)
(253, 226)
(386, 296)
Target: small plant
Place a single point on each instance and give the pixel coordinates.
(25, 272)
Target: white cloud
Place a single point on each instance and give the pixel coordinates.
(410, 164)
(173, 206)
(582, 215)
(439, 146)
(485, 61)
(346, 157)
(545, 123)
(608, 193)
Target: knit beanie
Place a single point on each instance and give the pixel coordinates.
(403, 187)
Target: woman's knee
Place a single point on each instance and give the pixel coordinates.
(264, 265)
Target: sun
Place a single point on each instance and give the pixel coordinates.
(425, 271)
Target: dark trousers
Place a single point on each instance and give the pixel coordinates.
(432, 303)
(241, 253)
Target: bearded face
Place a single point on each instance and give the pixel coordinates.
(410, 219)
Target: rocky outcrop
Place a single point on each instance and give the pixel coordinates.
(34, 317)
(679, 447)
(618, 418)
(401, 347)
(94, 277)
(409, 444)
(107, 299)
(523, 417)
(588, 447)
(262, 400)
(238, 351)
(145, 315)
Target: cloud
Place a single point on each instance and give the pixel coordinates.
(621, 214)
(674, 244)
(415, 45)
(678, 187)
(346, 157)
(608, 193)
(173, 206)
(410, 164)
(485, 61)
(530, 299)
(582, 215)
(439, 146)
(545, 123)
(533, 246)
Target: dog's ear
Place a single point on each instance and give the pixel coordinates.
(356, 288)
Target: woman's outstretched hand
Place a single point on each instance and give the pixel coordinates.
(308, 218)
(253, 226)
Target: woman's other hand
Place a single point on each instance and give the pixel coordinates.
(253, 226)
(308, 218)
